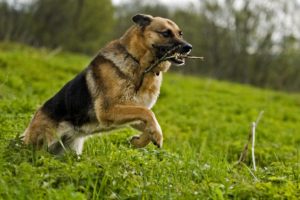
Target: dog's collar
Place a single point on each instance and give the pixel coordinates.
(128, 55)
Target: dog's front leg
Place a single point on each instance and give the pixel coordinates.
(141, 140)
(122, 114)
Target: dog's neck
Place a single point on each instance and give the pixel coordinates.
(132, 41)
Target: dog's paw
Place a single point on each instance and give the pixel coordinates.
(155, 134)
(140, 141)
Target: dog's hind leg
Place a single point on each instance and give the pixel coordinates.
(57, 148)
(67, 143)
(77, 145)
(67, 138)
(40, 131)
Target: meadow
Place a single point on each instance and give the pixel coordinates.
(205, 124)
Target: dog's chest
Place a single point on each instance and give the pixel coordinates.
(149, 91)
(147, 100)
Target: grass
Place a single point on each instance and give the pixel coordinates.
(205, 124)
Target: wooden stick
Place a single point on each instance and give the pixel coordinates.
(166, 57)
(157, 62)
(185, 56)
(163, 58)
(194, 57)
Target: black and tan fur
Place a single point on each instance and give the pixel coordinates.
(107, 95)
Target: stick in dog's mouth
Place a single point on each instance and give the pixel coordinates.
(180, 57)
(171, 55)
(177, 57)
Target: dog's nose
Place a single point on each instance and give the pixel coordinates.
(187, 47)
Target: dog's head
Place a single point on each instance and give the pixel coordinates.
(161, 36)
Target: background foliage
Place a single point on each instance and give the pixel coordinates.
(74, 25)
(247, 41)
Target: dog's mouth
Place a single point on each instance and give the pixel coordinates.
(174, 54)
(179, 58)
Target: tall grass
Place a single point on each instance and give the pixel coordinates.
(205, 124)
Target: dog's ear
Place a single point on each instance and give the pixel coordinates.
(142, 20)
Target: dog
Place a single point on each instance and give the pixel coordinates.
(110, 93)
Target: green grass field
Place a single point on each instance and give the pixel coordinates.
(205, 124)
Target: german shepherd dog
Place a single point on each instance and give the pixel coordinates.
(109, 93)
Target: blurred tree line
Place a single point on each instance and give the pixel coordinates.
(246, 41)
(73, 25)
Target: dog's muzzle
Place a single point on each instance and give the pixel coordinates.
(177, 52)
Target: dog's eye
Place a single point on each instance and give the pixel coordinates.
(166, 34)
(180, 33)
